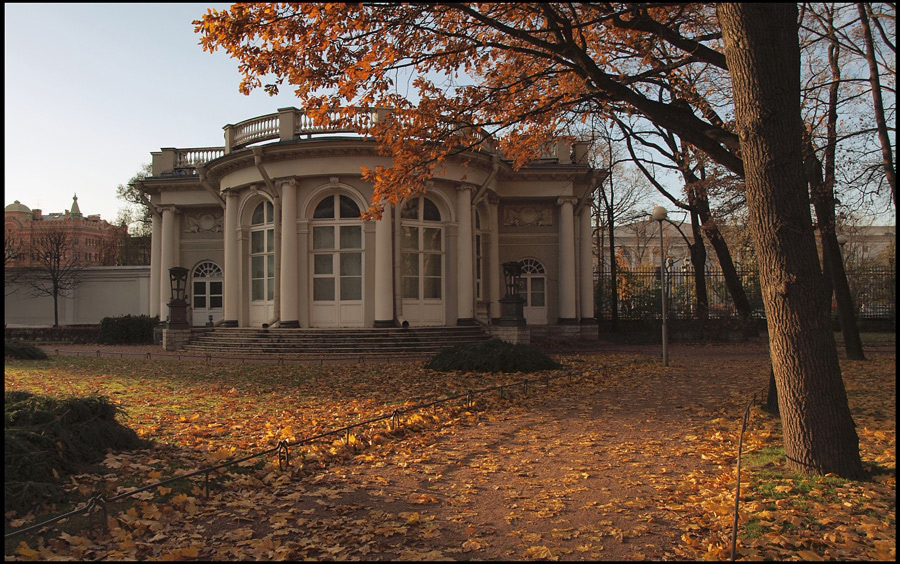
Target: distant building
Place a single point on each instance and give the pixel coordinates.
(95, 241)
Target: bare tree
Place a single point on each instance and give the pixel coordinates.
(56, 268)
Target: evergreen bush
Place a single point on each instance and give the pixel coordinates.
(492, 356)
(127, 330)
(46, 438)
(20, 350)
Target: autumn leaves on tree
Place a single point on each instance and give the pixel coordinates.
(517, 75)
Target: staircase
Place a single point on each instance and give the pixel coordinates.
(332, 343)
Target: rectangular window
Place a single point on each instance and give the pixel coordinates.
(323, 238)
(323, 289)
(351, 237)
(257, 241)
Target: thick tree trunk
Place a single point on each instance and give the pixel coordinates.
(762, 50)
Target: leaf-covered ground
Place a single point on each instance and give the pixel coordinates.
(626, 459)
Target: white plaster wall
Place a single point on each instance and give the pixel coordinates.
(106, 291)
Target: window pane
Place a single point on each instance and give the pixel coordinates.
(215, 288)
(257, 241)
(270, 241)
(257, 267)
(432, 265)
(351, 264)
(410, 209)
(410, 238)
(256, 288)
(323, 289)
(325, 209)
(410, 264)
(537, 299)
(477, 220)
(432, 239)
(410, 287)
(270, 263)
(215, 302)
(257, 218)
(323, 264)
(323, 237)
(349, 209)
(430, 211)
(270, 289)
(270, 212)
(199, 288)
(351, 236)
(199, 302)
(537, 285)
(351, 288)
(433, 288)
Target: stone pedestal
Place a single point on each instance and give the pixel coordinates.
(512, 312)
(175, 339)
(517, 335)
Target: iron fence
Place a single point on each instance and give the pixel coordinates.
(639, 297)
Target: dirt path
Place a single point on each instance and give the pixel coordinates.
(573, 472)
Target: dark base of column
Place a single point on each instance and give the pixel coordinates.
(588, 321)
(495, 320)
(230, 323)
(567, 321)
(289, 325)
(384, 324)
(466, 322)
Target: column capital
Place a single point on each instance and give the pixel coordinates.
(493, 198)
(463, 186)
(566, 200)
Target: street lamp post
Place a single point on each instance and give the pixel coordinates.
(659, 214)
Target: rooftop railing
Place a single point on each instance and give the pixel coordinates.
(289, 123)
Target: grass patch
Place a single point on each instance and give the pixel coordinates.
(492, 356)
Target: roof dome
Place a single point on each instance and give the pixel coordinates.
(17, 207)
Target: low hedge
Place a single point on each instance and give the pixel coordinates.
(127, 330)
(21, 350)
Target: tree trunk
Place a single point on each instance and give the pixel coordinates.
(698, 260)
(887, 158)
(772, 395)
(763, 55)
(832, 261)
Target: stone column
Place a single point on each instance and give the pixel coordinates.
(232, 283)
(567, 286)
(465, 279)
(167, 260)
(384, 270)
(495, 277)
(155, 266)
(290, 270)
(586, 264)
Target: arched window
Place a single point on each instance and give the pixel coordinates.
(337, 262)
(533, 289)
(422, 249)
(206, 297)
(262, 253)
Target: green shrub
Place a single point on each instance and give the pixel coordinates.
(492, 356)
(21, 350)
(46, 438)
(127, 330)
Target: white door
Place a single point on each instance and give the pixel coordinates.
(337, 263)
(534, 289)
(206, 293)
(422, 262)
(262, 264)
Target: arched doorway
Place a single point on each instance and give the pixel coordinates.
(422, 262)
(337, 263)
(206, 293)
(533, 288)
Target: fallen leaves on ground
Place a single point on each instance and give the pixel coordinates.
(626, 459)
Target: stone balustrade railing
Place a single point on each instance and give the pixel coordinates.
(289, 123)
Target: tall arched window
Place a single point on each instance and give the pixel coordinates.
(262, 253)
(422, 261)
(337, 262)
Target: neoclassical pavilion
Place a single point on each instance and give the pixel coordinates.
(268, 227)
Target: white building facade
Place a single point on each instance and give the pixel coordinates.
(268, 227)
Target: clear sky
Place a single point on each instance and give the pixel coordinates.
(92, 89)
